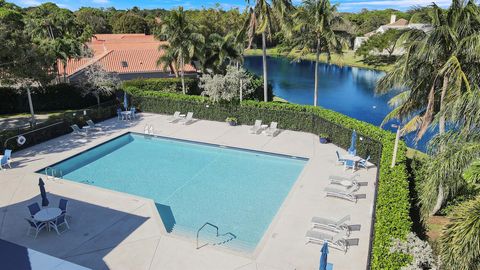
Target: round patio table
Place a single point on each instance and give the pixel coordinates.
(47, 214)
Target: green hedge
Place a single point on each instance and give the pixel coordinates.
(50, 98)
(392, 205)
(169, 85)
(56, 126)
(174, 85)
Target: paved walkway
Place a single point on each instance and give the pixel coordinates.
(113, 230)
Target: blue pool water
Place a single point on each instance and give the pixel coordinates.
(239, 191)
(347, 90)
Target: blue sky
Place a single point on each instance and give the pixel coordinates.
(345, 5)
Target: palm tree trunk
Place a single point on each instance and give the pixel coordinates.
(181, 74)
(317, 58)
(441, 127)
(441, 124)
(265, 79)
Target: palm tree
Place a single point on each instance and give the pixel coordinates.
(183, 42)
(460, 240)
(261, 18)
(218, 52)
(440, 68)
(315, 31)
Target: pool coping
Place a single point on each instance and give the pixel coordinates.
(253, 254)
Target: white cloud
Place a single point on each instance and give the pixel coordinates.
(29, 3)
(101, 2)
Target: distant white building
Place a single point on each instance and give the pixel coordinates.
(401, 24)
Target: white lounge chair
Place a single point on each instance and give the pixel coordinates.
(345, 182)
(346, 194)
(331, 225)
(256, 127)
(272, 130)
(92, 125)
(78, 131)
(174, 118)
(337, 241)
(188, 119)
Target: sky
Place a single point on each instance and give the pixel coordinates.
(345, 5)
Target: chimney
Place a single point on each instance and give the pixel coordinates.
(393, 18)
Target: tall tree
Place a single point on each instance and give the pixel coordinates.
(314, 30)
(129, 22)
(98, 82)
(22, 62)
(261, 18)
(183, 41)
(94, 18)
(439, 68)
(218, 52)
(57, 32)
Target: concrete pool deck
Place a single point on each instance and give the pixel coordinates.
(113, 230)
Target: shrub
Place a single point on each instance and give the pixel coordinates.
(391, 220)
(168, 85)
(50, 98)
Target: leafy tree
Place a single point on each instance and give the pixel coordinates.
(379, 43)
(226, 87)
(314, 30)
(56, 31)
(260, 20)
(98, 82)
(129, 22)
(460, 240)
(218, 52)
(369, 20)
(439, 80)
(94, 18)
(421, 252)
(183, 41)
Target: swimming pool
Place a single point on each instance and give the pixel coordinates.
(240, 191)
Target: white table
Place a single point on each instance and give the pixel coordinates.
(126, 115)
(47, 214)
(352, 158)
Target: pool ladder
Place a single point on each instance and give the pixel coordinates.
(232, 236)
(53, 174)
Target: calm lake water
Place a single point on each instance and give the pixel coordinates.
(347, 90)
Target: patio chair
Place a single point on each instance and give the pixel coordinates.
(341, 178)
(350, 164)
(59, 222)
(331, 224)
(92, 125)
(337, 241)
(272, 130)
(340, 160)
(78, 131)
(62, 204)
(35, 225)
(363, 163)
(133, 112)
(33, 209)
(175, 117)
(346, 194)
(256, 127)
(5, 160)
(119, 114)
(188, 119)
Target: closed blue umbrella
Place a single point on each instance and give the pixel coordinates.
(323, 257)
(352, 150)
(125, 100)
(43, 193)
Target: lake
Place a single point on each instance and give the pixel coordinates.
(347, 90)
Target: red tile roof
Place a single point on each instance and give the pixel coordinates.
(139, 51)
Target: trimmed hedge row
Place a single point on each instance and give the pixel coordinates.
(50, 98)
(56, 126)
(170, 85)
(392, 218)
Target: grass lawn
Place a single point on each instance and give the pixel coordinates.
(347, 59)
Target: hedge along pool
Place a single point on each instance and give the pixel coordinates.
(347, 90)
(240, 191)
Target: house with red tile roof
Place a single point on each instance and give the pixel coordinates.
(131, 56)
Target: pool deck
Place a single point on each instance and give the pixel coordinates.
(113, 230)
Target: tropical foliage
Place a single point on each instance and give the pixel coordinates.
(98, 82)
(234, 84)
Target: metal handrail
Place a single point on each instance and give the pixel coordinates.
(198, 232)
(53, 170)
(28, 132)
